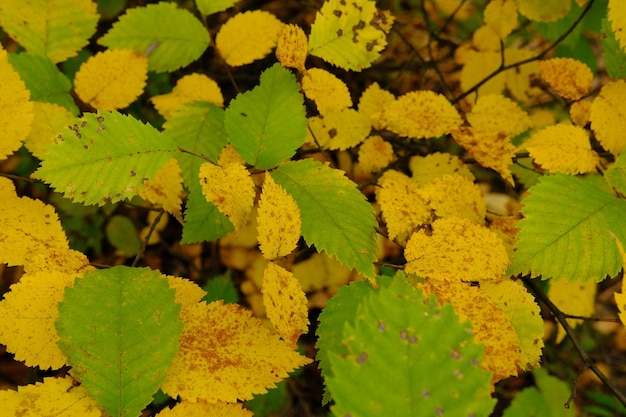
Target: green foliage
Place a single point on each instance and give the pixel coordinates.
(122, 234)
(268, 123)
(208, 7)
(544, 400)
(203, 221)
(119, 329)
(613, 54)
(221, 288)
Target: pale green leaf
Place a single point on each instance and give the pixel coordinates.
(203, 221)
(566, 230)
(267, 124)
(612, 53)
(208, 7)
(174, 36)
(616, 175)
(123, 235)
(104, 157)
(546, 399)
(119, 328)
(336, 217)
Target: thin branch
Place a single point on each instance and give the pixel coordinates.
(196, 155)
(144, 244)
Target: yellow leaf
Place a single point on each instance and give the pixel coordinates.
(424, 169)
(522, 310)
(422, 114)
(486, 39)
(617, 17)
(574, 298)
(496, 113)
(456, 250)
(165, 189)
(278, 219)
(375, 153)
(191, 87)
(291, 47)
(52, 397)
(112, 79)
(321, 271)
(218, 409)
(455, 196)
(16, 109)
(229, 155)
(544, 11)
(608, 116)
(227, 354)
(579, 112)
(566, 76)
(620, 298)
(563, 148)
(285, 303)
(501, 17)
(329, 93)
(403, 207)
(231, 189)
(518, 79)
(373, 103)
(49, 120)
(340, 130)
(248, 36)
(478, 66)
(490, 149)
(506, 229)
(188, 293)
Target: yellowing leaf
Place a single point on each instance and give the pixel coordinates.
(422, 114)
(291, 47)
(375, 153)
(52, 397)
(501, 17)
(278, 219)
(165, 189)
(424, 169)
(229, 155)
(496, 113)
(456, 250)
(285, 303)
(608, 116)
(544, 11)
(16, 109)
(340, 130)
(563, 148)
(191, 87)
(478, 66)
(574, 298)
(401, 203)
(566, 76)
(518, 79)
(112, 79)
(226, 355)
(455, 196)
(490, 149)
(248, 36)
(579, 112)
(321, 271)
(617, 17)
(218, 409)
(230, 188)
(49, 120)
(329, 93)
(373, 103)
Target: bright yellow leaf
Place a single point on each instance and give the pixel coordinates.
(567, 77)
(608, 116)
(248, 36)
(496, 113)
(227, 355)
(457, 250)
(501, 17)
(321, 271)
(455, 196)
(422, 114)
(579, 112)
(112, 79)
(229, 155)
(52, 397)
(518, 79)
(191, 87)
(56, 259)
(563, 148)
(292, 47)
(544, 11)
(617, 17)
(16, 109)
(486, 39)
(278, 219)
(50, 119)
(574, 298)
(340, 130)
(218, 409)
(231, 189)
(285, 303)
(188, 293)
(424, 169)
(329, 93)
(165, 189)
(375, 153)
(477, 67)
(401, 203)
(490, 149)
(373, 103)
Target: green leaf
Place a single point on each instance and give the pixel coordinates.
(119, 328)
(203, 221)
(178, 36)
(44, 80)
(267, 124)
(221, 288)
(196, 127)
(612, 53)
(546, 399)
(208, 7)
(104, 158)
(122, 234)
(401, 362)
(616, 175)
(566, 232)
(57, 29)
(336, 217)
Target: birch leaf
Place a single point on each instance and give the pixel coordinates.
(574, 298)
(608, 116)
(219, 409)
(247, 37)
(208, 7)
(541, 11)
(496, 113)
(340, 130)
(568, 77)
(617, 17)
(425, 169)
(375, 153)
(203, 220)
(166, 189)
(455, 196)
(373, 103)
(329, 93)
(285, 303)
(620, 298)
(49, 120)
(191, 87)
(291, 47)
(501, 17)
(112, 79)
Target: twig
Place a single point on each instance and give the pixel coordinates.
(144, 244)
